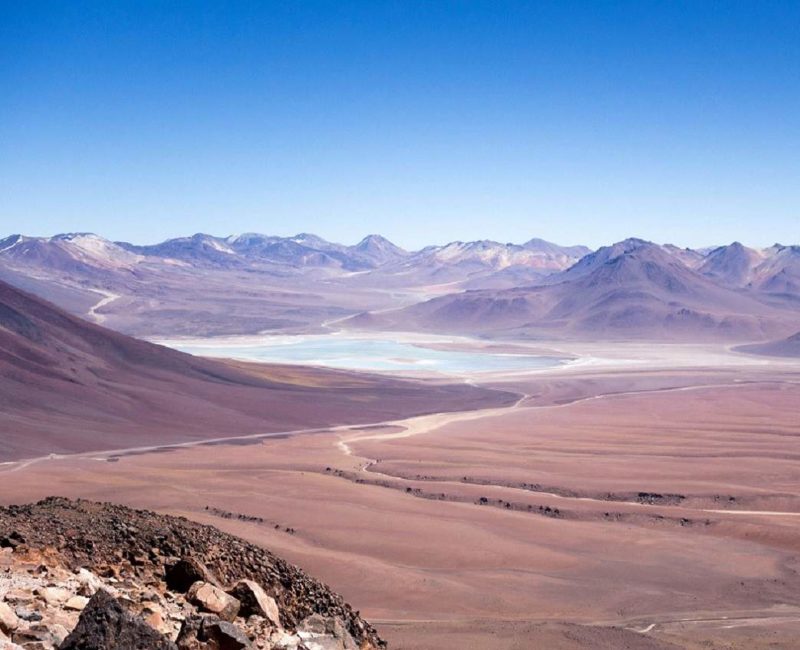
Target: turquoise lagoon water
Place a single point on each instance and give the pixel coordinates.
(366, 354)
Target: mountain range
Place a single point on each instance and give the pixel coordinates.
(633, 288)
(88, 253)
(207, 285)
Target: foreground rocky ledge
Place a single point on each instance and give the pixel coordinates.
(85, 575)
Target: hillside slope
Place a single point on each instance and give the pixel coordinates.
(67, 385)
(176, 582)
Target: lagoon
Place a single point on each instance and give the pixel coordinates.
(366, 353)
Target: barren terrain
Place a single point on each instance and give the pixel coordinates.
(649, 499)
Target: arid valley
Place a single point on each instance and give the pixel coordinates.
(639, 495)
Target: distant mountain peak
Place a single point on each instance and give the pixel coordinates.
(543, 246)
(632, 243)
(311, 240)
(733, 265)
(12, 240)
(379, 250)
(374, 239)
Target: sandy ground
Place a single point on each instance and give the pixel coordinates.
(637, 504)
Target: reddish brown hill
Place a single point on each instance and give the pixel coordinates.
(67, 385)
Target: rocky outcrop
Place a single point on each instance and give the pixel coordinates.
(89, 576)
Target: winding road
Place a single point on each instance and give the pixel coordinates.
(108, 297)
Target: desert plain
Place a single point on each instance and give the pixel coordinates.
(640, 496)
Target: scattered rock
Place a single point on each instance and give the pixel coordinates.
(9, 621)
(89, 582)
(28, 614)
(76, 603)
(19, 596)
(226, 635)
(12, 540)
(53, 595)
(59, 633)
(213, 599)
(185, 572)
(77, 550)
(105, 625)
(211, 633)
(325, 633)
(35, 637)
(256, 602)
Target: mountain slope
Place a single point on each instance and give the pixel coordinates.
(378, 250)
(479, 264)
(548, 248)
(631, 289)
(76, 253)
(196, 249)
(779, 273)
(731, 265)
(67, 385)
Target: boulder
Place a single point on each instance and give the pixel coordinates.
(325, 633)
(256, 602)
(9, 621)
(19, 596)
(105, 625)
(212, 599)
(88, 581)
(185, 572)
(226, 635)
(26, 614)
(155, 619)
(53, 595)
(211, 633)
(38, 636)
(76, 603)
(58, 633)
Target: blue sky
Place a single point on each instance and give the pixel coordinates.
(578, 122)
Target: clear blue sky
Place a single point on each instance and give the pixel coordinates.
(579, 122)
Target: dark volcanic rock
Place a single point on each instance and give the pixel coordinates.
(185, 572)
(105, 625)
(211, 633)
(12, 540)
